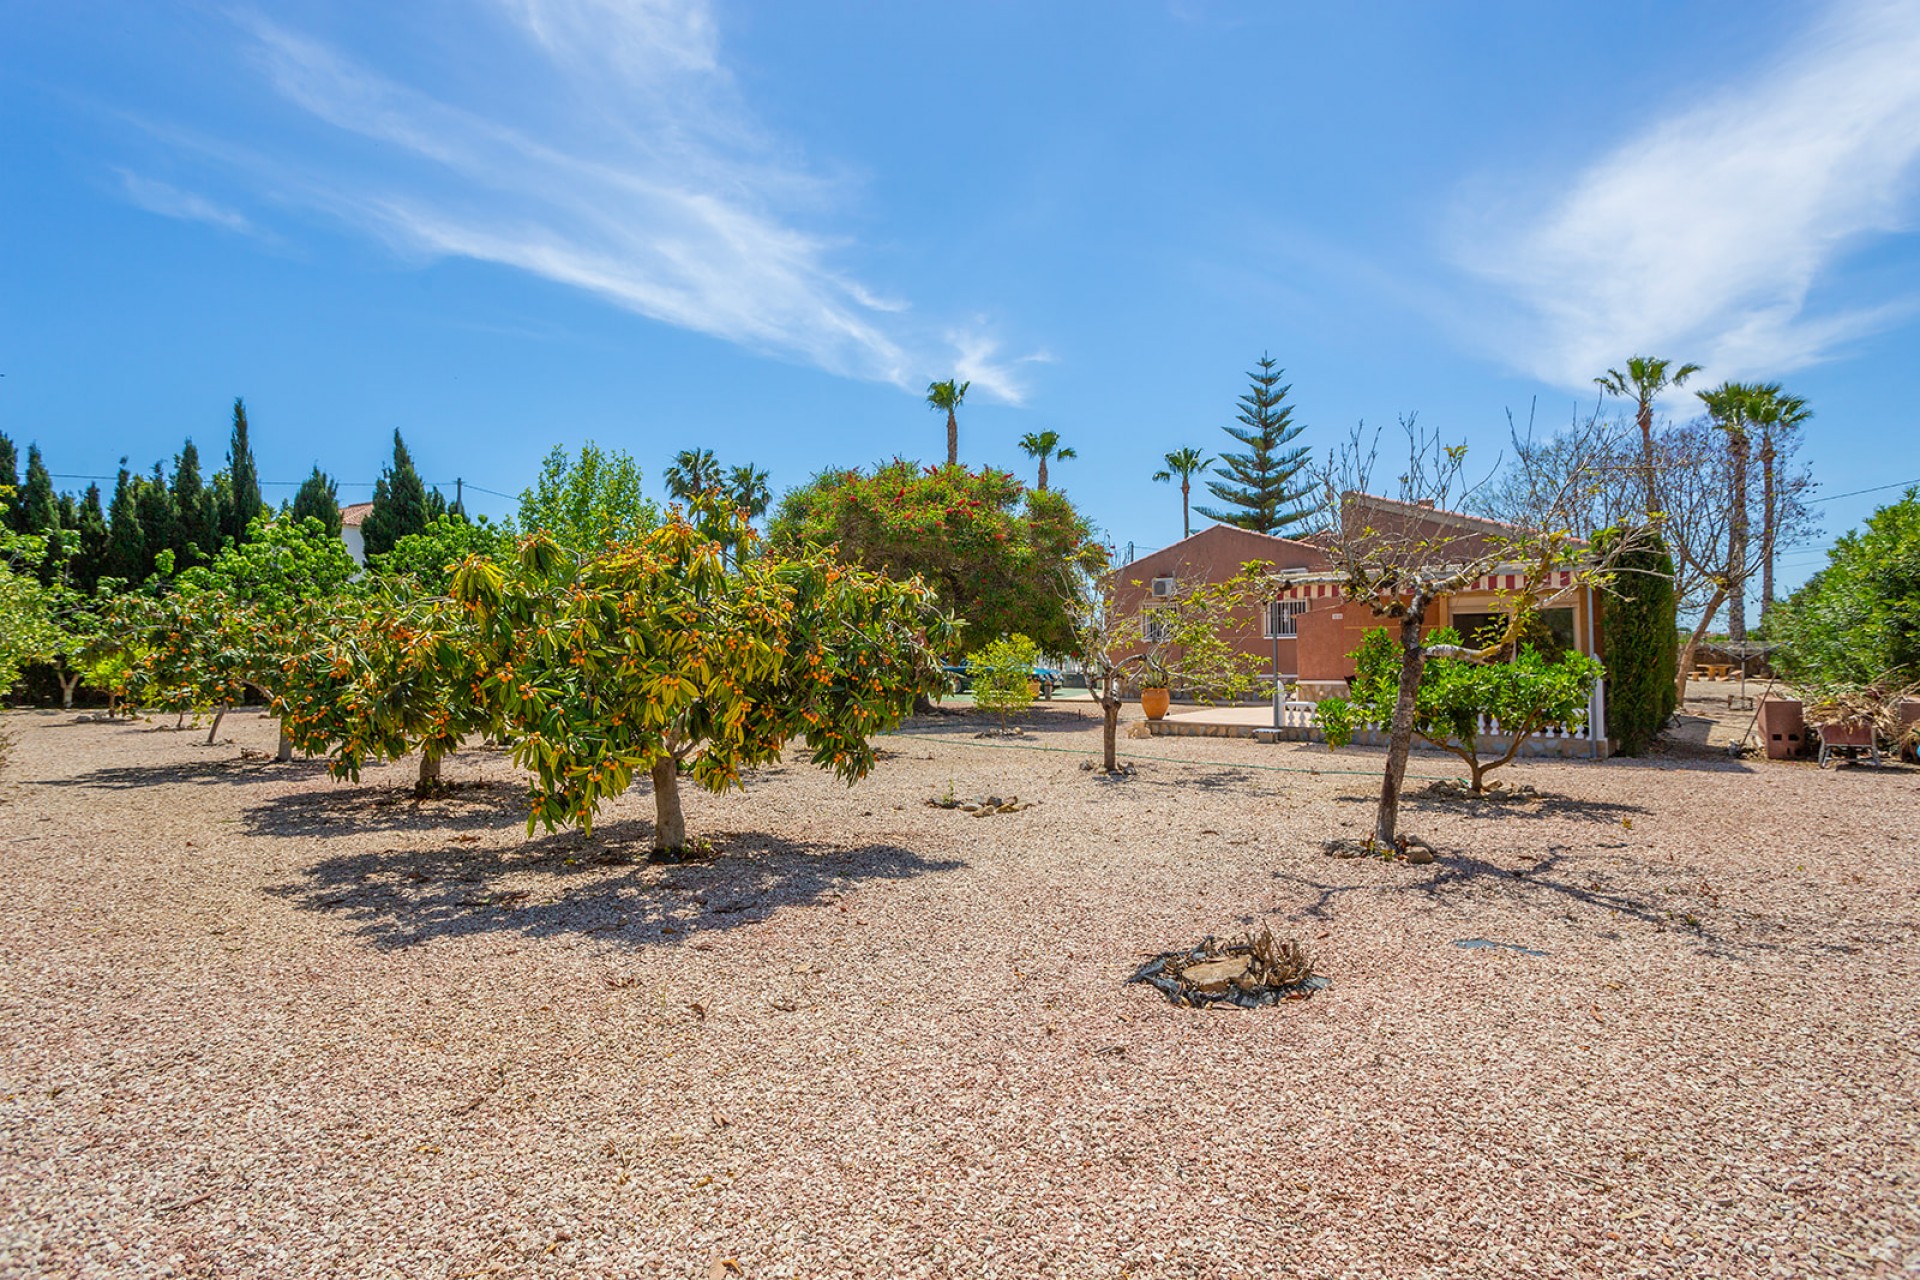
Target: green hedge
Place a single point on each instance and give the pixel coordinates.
(1641, 626)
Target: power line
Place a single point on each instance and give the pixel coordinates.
(1854, 493)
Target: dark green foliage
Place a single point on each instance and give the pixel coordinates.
(243, 480)
(1857, 621)
(89, 563)
(399, 503)
(126, 543)
(199, 536)
(12, 504)
(319, 499)
(1000, 556)
(1641, 625)
(40, 508)
(1263, 489)
(159, 522)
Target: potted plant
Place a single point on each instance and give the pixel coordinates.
(1155, 695)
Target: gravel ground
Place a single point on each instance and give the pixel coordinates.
(262, 1024)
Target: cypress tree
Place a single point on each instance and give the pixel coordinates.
(399, 503)
(89, 561)
(159, 521)
(319, 499)
(220, 508)
(1641, 628)
(1263, 489)
(199, 536)
(243, 479)
(40, 509)
(13, 507)
(126, 556)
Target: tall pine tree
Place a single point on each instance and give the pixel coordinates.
(319, 499)
(193, 505)
(90, 560)
(1264, 489)
(13, 507)
(40, 507)
(126, 545)
(159, 521)
(399, 503)
(243, 479)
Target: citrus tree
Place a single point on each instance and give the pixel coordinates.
(206, 638)
(382, 675)
(1457, 698)
(655, 658)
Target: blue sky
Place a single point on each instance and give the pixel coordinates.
(762, 229)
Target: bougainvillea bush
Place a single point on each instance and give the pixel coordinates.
(1001, 557)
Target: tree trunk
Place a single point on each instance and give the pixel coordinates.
(429, 772)
(1692, 645)
(1769, 529)
(285, 751)
(1043, 473)
(1186, 510)
(218, 716)
(1737, 530)
(1645, 417)
(1413, 660)
(669, 823)
(1110, 730)
(953, 451)
(68, 683)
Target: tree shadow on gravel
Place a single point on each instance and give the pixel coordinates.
(234, 770)
(1548, 883)
(1547, 804)
(569, 884)
(348, 809)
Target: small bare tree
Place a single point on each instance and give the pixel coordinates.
(1179, 639)
(1401, 555)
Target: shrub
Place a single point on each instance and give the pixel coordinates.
(1640, 624)
(1002, 673)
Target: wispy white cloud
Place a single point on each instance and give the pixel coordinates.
(1704, 236)
(171, 202)
(977, 359)
(615, 158)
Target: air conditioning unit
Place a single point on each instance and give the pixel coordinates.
(1163, 588)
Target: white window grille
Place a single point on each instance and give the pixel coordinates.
(1281, 615)
(1156, 629)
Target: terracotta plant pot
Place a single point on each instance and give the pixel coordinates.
(1155, 702)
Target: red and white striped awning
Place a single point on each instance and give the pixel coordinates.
(1491, 582)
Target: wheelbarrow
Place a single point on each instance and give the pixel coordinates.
(1849, 736)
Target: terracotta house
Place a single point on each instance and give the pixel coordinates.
(1329, 627)
(1214, 555)
(1308, 623)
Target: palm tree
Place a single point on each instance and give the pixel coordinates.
(692, 472)
(1646, 377)
(1732, 406)
(747, 490)
(1778, 416)
(949, 395)
(1186, 463)
(1044, 445)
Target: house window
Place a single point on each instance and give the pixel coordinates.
(1550, 630)
(1155, 629)
(1281, 615)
